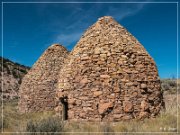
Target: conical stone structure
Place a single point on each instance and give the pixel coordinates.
(108, 76)
(37, 91)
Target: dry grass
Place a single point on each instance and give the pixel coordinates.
(13, 121)
(165, 122)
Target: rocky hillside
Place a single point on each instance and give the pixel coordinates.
(11, 77)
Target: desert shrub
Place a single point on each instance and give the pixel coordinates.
(169, 86)
(0, 124)
(48, 126)
(4, 124)
(20, 81)
(6, 68)
(172, 83)
(14, 74)
(31, 126)
(22, 70)
(106, 128)
(165, 86)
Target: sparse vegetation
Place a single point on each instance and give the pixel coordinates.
(13, 67)
(23, 71)
(170, 86)
(50, 124)
(14, 121)
(6, 61)
(15, 74)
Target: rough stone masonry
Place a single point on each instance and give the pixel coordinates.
(108, 76)
(37, 91)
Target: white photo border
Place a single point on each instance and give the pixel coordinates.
(46, 2)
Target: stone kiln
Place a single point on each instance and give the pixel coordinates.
(108, 76)
(37, 91)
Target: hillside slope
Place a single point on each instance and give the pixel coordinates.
(11, 77)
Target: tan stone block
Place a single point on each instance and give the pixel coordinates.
(78, 102)
(143, 86)
(87, 109)
(127, 117)
(128, 106)
(97, 51)
(103, 55)
(129, 84)
(97, 93)
(134, 94)
(84, 81)
(84, 98)
(144, 105)
(112, 65)
(143, 115)
(60, 94)
(120, 71)
(60, 85)
(71, 101)
(71, 116)
(85, 58)
(124, 56)
(105, 76)
(104, 106)
(112, 96)
(116, 89)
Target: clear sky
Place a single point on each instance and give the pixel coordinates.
(28, 29)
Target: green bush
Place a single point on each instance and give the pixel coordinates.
(48, 126)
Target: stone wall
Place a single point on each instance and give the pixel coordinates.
(108, 76)
(37, 91)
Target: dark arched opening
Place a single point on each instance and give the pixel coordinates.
(64, 104)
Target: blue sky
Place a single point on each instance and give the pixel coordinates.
(30, 28)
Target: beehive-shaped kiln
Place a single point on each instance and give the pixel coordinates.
(108, 76)
(37, 91)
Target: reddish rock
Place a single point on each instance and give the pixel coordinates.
(104, 107)
(143, 86)
(128, 106)
(97, 93)
(104, 76)
(84, 81)
(144, 106)
(143, 115)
